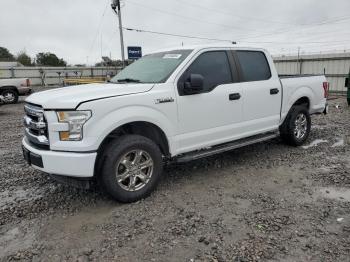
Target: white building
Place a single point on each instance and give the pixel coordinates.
(335, 66)
(9, 64)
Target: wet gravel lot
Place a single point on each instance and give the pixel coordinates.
(260, 203)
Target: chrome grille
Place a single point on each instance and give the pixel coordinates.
(35, 125)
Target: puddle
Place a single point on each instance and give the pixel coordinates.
(340, 142)
(315, 143)
(13, 196)
(320, 127)
(342, 194)
(14, 239)
(90, 216)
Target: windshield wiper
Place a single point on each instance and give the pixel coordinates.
(128, 80)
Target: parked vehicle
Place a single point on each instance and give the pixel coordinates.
(12, 88)
(169, 106)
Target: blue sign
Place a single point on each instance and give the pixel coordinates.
(134, 52)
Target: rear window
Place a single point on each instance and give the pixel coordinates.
(254, 66)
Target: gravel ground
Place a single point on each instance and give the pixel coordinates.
(260, 203)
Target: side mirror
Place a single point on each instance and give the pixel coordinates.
(194, 84)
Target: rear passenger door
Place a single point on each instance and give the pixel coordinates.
(261, 92)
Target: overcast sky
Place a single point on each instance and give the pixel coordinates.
(78, 30)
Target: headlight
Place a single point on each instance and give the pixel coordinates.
(76, 121)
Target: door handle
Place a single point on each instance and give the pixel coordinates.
(235, 96)
(274, 91)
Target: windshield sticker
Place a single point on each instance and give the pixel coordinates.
(172, 56)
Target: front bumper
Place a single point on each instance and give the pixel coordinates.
(80, 165)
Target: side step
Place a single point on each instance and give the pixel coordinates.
(225, 147)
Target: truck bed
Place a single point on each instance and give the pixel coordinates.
(297, 76)
(310, 86)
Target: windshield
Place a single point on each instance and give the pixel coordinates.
(153, 68)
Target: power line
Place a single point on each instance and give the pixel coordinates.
(285, 30)
(291, 29)
(99, 26)
(230, 14)
(240, 28)
(301, 42)
(278, 31)
(335, 19)
(177, 35)
(230, 41)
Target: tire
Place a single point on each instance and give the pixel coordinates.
(10, 96)
(292, 133)
(119, 159)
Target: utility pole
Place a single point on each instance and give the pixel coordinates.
(101, 47)
(116, 8)
(299, 61)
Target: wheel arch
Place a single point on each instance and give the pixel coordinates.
(3, 88)
(143, 128)
(299, 96)
(302, 101)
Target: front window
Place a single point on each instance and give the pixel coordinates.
(214, 67)
(153, 68)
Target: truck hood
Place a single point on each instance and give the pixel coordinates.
(70, 97)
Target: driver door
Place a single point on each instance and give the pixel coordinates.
(210, 116)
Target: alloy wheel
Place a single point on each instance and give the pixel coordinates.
(134, 170)
(300, 129)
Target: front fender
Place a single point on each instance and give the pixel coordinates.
(101, 125)
(105, 125)
(110, 113)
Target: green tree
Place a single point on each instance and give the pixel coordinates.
(5, 55)
(49, 59)
(24, 59)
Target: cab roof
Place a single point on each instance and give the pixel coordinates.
(208, 46)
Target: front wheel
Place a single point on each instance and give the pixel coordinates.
(132, 167)
(295, 129)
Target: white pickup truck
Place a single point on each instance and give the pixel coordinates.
(170, 106)
(12, 88)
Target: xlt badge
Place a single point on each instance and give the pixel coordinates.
(164, 100)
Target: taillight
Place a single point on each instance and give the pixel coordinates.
(325, 89)
(28, 82)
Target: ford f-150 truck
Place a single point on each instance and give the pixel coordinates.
(11, 89)
(169, 106)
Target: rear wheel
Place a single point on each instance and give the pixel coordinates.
(132, 168)
(10, 96)
(295, 130)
